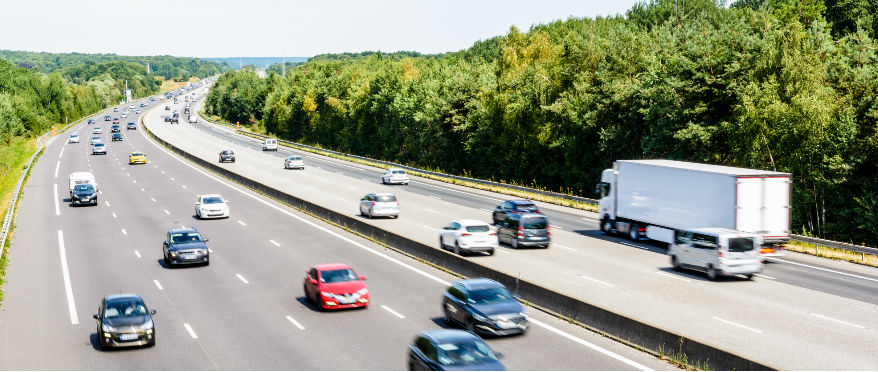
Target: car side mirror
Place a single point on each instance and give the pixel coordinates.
(497, 207)
(312, 281)
(95, 316)
(152, 311)
(362, 277)
(206, 240)
(499, 355)
(197, 203)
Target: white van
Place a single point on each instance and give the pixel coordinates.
(78, 178)
(193, 118)
(270, 144)
(717, 251)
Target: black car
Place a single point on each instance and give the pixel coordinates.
(116, 137)
(484, 306)
(115, 128)
(185, 246)
(525, 230)
(227, 155)
(124, 320)
(167, 107)
(84, 194)
(107, 118)
(513, 206)
(131, 125)
(451, 349)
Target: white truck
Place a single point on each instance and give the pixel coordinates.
(78, 178)
(656, 199)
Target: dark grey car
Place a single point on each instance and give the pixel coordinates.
(185, 246)
(84, 194)
(484, 306)
(452, 350)
(124, 320)
(525, 230)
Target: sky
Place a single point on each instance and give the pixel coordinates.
(259, 28)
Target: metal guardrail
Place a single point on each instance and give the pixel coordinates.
(798, 238)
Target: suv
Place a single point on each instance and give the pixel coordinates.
(227, 155)
(525, 229)
(717, 252)
(185, 246)
(131, 125)
(115, 128)
(513, 206)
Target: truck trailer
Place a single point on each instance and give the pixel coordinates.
(655, 199)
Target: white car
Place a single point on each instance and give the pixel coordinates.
(98, 148)
(294, 161)
(96, 130)
(395, 176)
(131, 107)
(136, 111)
(74, 138)
(211, 206)
(379, 204)
(124, 114)
(468, 236)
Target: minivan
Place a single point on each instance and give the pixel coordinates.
(717, 252)
(270, 144)
(525, 230)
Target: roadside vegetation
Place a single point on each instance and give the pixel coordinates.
(784, 85)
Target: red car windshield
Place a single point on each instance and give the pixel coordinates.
(338, 276)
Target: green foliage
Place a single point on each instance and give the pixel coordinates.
(165, 66)
(762, 84)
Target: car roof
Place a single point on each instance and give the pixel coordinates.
(479, 283)
(331, 266)
(122, 296)
(136, 153)
(183, 230)
(448, 335)
(381, 193)
(471, 222)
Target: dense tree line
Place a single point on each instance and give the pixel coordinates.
(785, 85)
(168, 67)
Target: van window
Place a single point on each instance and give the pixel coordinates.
(683, 237)
(740, 244)
(703, 241)
(535, 222)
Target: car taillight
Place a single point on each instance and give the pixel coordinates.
(465, 234)
(373, 203)
(493, 233)
(549, 230)
(719, 253)
(520, 232)
(766, 250)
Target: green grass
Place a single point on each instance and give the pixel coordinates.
(13, 159)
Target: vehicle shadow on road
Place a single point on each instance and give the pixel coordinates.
(686, 274)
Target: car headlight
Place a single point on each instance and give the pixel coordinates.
(147, 325)
(363, 291)
(481, 318)
(173, 254)
(327, 294)
(107, 328)
(203, 251)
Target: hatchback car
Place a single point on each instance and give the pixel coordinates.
(131, 125)
(379, 204)
(452, 350)
(468, 236)
(98, 148)
(74, 138)
(395, 176)
(525, 230)
(84, 193)
(116, 137)
(513, 206)
(124, 320)
(335, 286)
(227, 155)
(294, 162)
(137, 158)
(96, 130)
(716, 252)
(484, 306)
(211, 206)
(185, 246)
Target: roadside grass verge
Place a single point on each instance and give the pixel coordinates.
(13, 158)
(832, 253)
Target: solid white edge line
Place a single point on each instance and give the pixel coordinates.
(57, 208)
(158, 285)
(836, 320)
(589, 345)
(737, 325)
(820, 268)
(462, 192)
(596, 281)
(274, 242)
(398, 315)
(65, 272)
(391, 259)
(764, 276)
(189, 329)
(295, 323)
(61, 154)
(137, 253)
(241, 277)
(57, 166)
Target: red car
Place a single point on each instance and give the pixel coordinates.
(335, 286)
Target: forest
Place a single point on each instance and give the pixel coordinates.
(168, 67)
(783, 85)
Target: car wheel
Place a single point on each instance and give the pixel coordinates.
(515, 243)
(441, 244)
(307, 297)
(370, 213)
(471, 326)
(456, 248)
(749, 276)
(383, 181)
(675, 264)
(491, 252)
(711, 272)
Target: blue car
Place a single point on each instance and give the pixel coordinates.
(452, 350)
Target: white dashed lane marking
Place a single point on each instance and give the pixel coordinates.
(189, 329)
(158, 285)
(295, 323)
(274, 242)
(398, 315)
(241, 277)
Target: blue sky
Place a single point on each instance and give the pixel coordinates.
(221, 28)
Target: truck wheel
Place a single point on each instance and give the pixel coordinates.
(632, 232)
(607, 226)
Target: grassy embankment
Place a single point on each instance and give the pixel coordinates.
(169, 85)
(13, 158)
(832, 253)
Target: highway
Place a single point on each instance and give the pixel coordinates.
(243, 311)
(815, 313)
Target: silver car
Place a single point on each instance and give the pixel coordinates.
(294, 162)
(395, 176)
(379, 204)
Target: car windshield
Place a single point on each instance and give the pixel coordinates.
(740, 244)
(228, 152)
(124, 307)
(136, 154)
(187, 237)
(84, 187)
(99, 145)
(465, 352)
(489, 295)
(338, 276)
(478, 228)
(294, 158)
(385, 198)
(213, 200)
(526, 207)
(534, 223)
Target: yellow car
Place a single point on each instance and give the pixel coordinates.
(136, 158)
